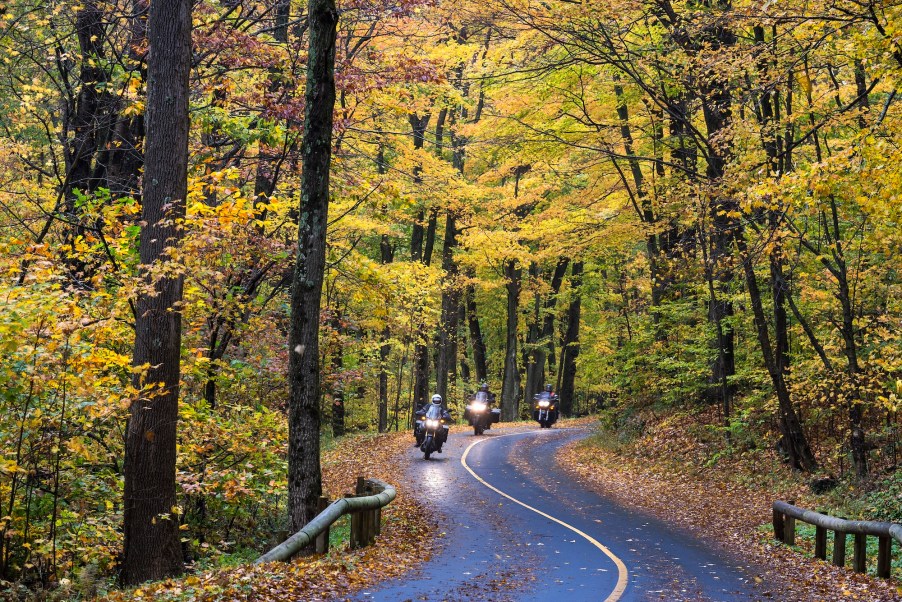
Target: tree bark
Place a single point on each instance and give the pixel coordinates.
(338, 392)
(533, 351)
(304, 474)
(542, 351)
(800, 455)
(421, 239)
(510, 387)
(125, 158)
(446, 371)
(476, 339)
(387, 255)
(570, 348)
(151, 539)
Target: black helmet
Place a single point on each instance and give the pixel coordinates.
(484, 387)
(436, 398)
(548, 387)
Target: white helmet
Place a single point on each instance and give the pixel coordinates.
(436, 398)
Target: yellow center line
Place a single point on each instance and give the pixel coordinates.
(621, 567)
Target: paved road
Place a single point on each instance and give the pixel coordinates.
(516, 528)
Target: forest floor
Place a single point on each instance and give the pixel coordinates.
(672, 474)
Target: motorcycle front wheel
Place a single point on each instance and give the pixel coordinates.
(428, 447)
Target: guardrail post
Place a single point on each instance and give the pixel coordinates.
(820, 542)
(322, 540)
(839, 548)
(370, 519)
(378, 512)
(884, 556)
(778, 525)
(860, 560)
(789, 530)
(355, 537)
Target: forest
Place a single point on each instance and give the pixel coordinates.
(659, 207)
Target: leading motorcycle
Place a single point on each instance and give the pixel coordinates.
(435, 431)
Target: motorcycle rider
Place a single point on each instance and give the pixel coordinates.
(445, 415)
(552, 396)
(484, 387)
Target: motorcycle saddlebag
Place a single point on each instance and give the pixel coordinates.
(496, 416)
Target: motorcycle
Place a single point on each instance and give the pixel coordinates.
(435, 431)
(479, 415)
(419, 426)
(545, 411)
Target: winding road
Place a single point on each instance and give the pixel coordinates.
(517, 528)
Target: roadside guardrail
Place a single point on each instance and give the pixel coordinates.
(785, 515)
(364, 506)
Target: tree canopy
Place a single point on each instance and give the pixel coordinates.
(650, 204)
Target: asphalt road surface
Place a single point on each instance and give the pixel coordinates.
(515, 527)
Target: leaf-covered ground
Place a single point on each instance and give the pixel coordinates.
(402, 544)
(727, 503)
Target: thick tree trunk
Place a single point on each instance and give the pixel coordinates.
(304, 475)
(716, 110)
(150, 530)
(570, 349)
(510, 387)
(446, 371)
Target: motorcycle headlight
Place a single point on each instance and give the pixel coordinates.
(433, 424)
(544, 404)
(478, 407)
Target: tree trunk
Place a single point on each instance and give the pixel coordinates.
(338, 392)
(542, 353)
(796, 444)
(534, 351)
(304, 475)
(446, 372)
(270, 158)
(510, 387)
(778, 163)
(387, 255)
(570, 348)
(151, 538)
(857, 439)
(478, 343)
(643, 206)
(125, 158)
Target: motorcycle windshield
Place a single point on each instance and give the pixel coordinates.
(482, 397)
(434, 412)
(544, 395)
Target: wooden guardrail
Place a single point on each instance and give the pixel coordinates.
(785, 516)
(364, 506)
